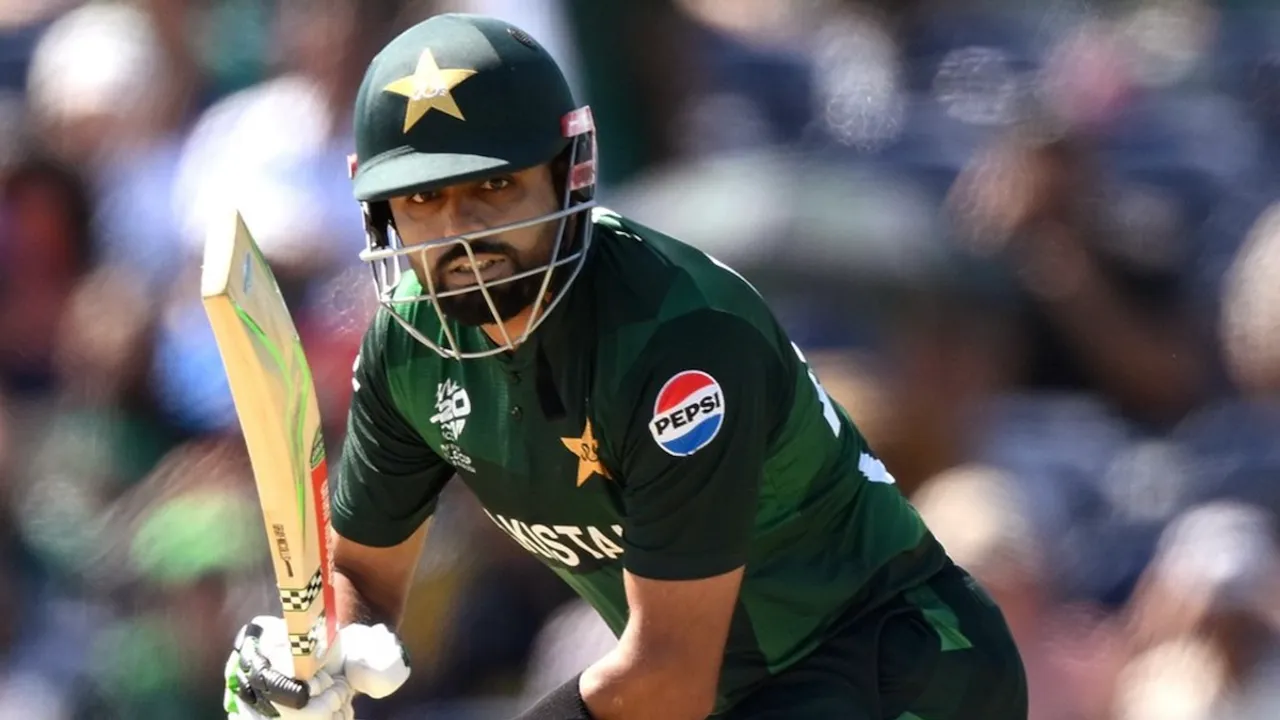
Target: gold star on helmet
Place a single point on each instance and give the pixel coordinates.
(587, 450)
(429, 88)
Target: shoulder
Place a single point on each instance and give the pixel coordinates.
(648, 285)
(389, 353)
(630, 250)
(676, 327)
(702, 349)
(380, 340)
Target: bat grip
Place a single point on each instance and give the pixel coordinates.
(280, 688)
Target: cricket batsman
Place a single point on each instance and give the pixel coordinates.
(629, 411)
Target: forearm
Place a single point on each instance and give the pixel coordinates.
(353, 607)
(621, 686)
(371, 585)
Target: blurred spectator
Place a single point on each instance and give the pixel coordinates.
(277, 151)
(22, 23)
(194, 52)
(1206, 621)
(187, 564)
(1104, 308)
(13, 592)
(98, 83)
(46, 246)
(101, 433)
(1251, 309)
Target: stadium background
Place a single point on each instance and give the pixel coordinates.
(1029, 245)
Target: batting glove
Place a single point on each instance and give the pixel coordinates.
(366, 660)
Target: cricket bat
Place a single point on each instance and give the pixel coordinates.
(275, 400)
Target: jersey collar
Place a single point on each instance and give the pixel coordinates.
(566, 336)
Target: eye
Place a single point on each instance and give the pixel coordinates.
(501, 182)
(422, 198)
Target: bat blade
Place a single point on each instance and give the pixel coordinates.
(275, 401)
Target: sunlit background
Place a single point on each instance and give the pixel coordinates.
(1029, 244)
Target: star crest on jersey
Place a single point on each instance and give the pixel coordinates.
(588, 451)
(429, 88)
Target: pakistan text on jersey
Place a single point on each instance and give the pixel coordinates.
(571, 546)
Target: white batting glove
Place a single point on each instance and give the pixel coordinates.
(366, 660)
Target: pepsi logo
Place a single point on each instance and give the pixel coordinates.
(688, 413)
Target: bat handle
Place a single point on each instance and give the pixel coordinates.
(280, 688)
(276, 686)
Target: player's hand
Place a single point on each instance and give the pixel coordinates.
(368, 661)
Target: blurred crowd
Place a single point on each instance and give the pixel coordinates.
(1029, 244)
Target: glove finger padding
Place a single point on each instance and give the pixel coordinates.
(375, 661)
(333, 701)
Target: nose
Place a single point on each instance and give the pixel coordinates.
(459, 216)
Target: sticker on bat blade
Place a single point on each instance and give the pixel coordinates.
(282, 547)
(317, 451)
(247, 281)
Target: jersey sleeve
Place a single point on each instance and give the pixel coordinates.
(708, 392)
(388, 478)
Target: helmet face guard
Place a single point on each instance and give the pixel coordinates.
(388, 256)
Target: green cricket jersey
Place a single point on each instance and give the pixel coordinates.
(658, 421)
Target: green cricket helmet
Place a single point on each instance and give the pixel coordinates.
(454, 99)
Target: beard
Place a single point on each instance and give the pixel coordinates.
(509, 298)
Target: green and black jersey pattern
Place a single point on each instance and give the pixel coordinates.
(660, 422)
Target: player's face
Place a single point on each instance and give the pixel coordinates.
(477, 206)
